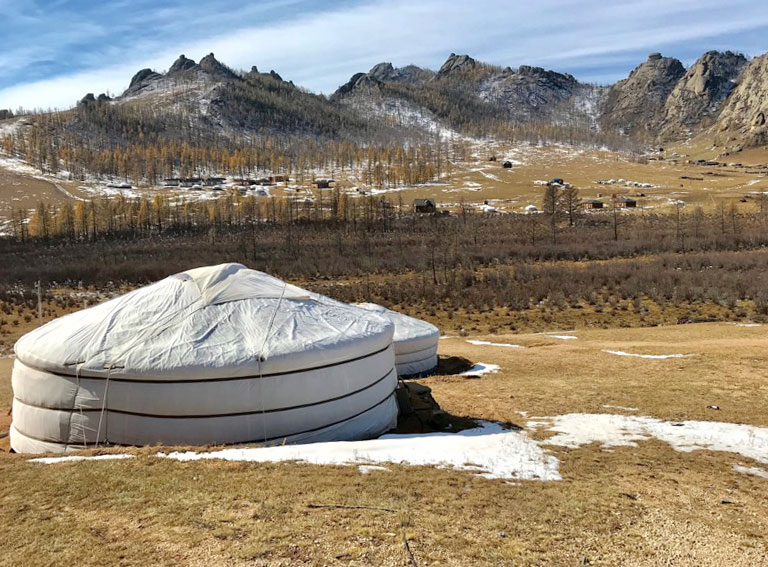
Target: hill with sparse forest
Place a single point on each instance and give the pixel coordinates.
(217, 114)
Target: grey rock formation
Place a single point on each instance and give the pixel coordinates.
(408, 74)
(384, 73)
(182, 64)
(214, 68)
(635, 106)
(696, 101)
(530, 92)
(144, 76)
(743, 120)
(456, 63)
(141, 80)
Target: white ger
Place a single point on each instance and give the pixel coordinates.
(214, 355)
(415, 341)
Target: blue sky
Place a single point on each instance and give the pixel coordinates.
(53, 52)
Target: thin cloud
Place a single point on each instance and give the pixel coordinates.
(320, 45)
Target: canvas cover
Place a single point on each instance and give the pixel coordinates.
(415, 340)
(220, 354)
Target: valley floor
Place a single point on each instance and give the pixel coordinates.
(632, 413)
(470, 180)
(632, 493)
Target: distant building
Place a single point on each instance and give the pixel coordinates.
(592, 204)
(322, 183)
(424, 205)
(625, 203)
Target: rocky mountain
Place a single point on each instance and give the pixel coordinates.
(465, 93)
(181, 74)
(743, 120)
(535, 94)
(635, 106)
(696, 100)
(206, 100)
(659, 101)
(385, 73)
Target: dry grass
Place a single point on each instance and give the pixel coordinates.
(19, 191)
(475, 179)
(647, 505)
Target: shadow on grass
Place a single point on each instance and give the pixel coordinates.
(420, 412)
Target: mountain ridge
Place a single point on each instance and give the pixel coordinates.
(721, 94)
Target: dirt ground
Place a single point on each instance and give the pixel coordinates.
(645, 505)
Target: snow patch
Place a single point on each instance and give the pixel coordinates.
(578, 429)
(487, 343)
(367, 469)
(611, 406)
(651, 356)
(754, 471)
(480, 368)
(490, 451)
(76, 458)
(562, 337)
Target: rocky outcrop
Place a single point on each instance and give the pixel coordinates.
(144, 76)
(408, 74)
(141, 80)
(182, 70)
(214, 68)
(181, 65)
(635, 106)
(456, 63)
(695, 102)
(743, 120)
(350, 85)
(88, 99)
(529, 92)
(385, 73)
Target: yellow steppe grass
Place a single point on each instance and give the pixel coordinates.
(646, 505)
(474, 179)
